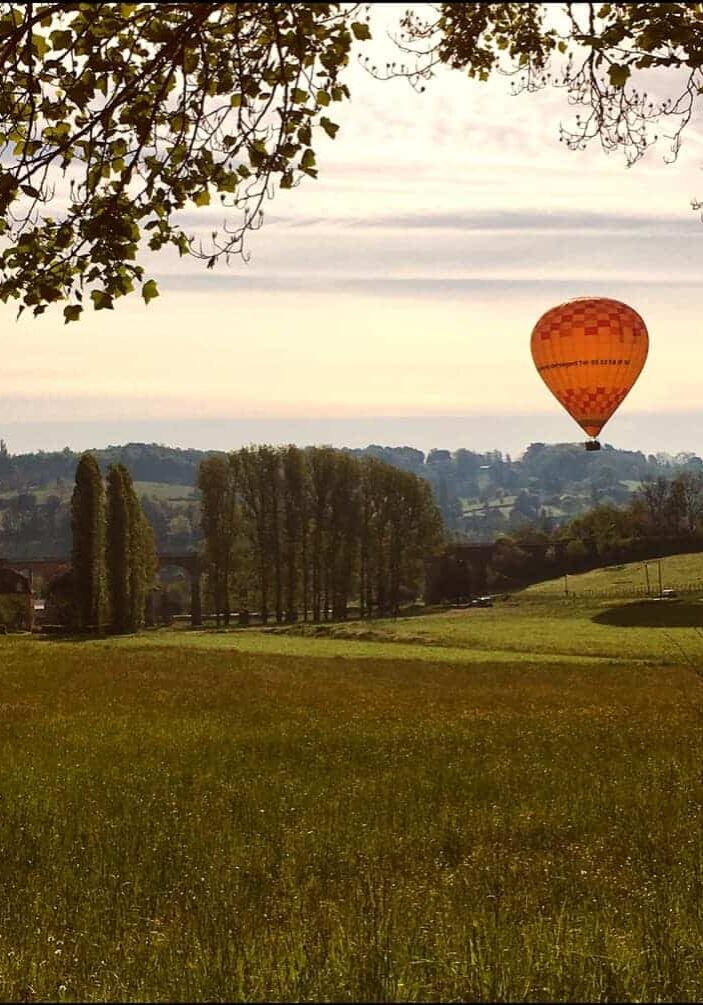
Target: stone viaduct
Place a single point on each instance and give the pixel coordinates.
(49, 568)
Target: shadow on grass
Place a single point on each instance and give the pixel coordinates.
(653, 614)
(53, 633)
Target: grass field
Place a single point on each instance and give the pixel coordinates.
(500, 804)
(526, 626)
(677, 570)
(165, 491)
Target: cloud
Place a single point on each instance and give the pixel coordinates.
(418, 286)
(429, 250)
(685, 223)
(517, 221)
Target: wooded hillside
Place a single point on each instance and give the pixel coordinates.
(480, 495)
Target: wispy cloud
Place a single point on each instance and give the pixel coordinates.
(416, 286)
(530, 221)
(685, 222)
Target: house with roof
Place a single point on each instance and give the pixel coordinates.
(16, 601)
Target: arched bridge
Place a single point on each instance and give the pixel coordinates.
(193, 565)
(52, 567)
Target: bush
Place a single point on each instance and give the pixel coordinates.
(13, 611)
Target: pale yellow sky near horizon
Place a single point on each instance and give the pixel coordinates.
(405, 281)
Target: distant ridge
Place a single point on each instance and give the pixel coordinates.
(480, 494)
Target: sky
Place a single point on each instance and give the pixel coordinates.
(391, 301)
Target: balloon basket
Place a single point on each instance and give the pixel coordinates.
(592, 445)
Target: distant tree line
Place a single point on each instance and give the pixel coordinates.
(298, 534)
(149, 462)
(480, 495)
(113, 558)
(665, 517)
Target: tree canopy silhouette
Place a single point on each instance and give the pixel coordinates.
(116, 117)
(604, 55)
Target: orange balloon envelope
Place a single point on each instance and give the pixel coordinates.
(589, 353)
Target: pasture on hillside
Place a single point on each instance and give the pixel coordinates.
(414, 811)
(679, 572)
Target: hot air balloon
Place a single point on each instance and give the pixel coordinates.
(589, 352)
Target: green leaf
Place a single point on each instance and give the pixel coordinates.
(361, 31)
(202, 198)
(618, 75)
(323, 98)
(331, 128)
(299, 96)
(190, 61)
(101, 301)
(40, 45)
(72, 313)
(150, 290)
(308, 160)
(61, 39)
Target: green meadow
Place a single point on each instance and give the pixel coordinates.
(677, 571)
(492, 804)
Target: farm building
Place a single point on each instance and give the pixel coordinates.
(15, 601)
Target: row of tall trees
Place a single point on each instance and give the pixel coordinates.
(113, 559)
(300, 534)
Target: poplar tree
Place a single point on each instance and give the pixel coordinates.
(88, 549)
(321, 463)
(217, 481)
(118, 548)
(271, 480)
(144, 563)
(295, 529)
(343, 538)
(256, 489)
(131, 556)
